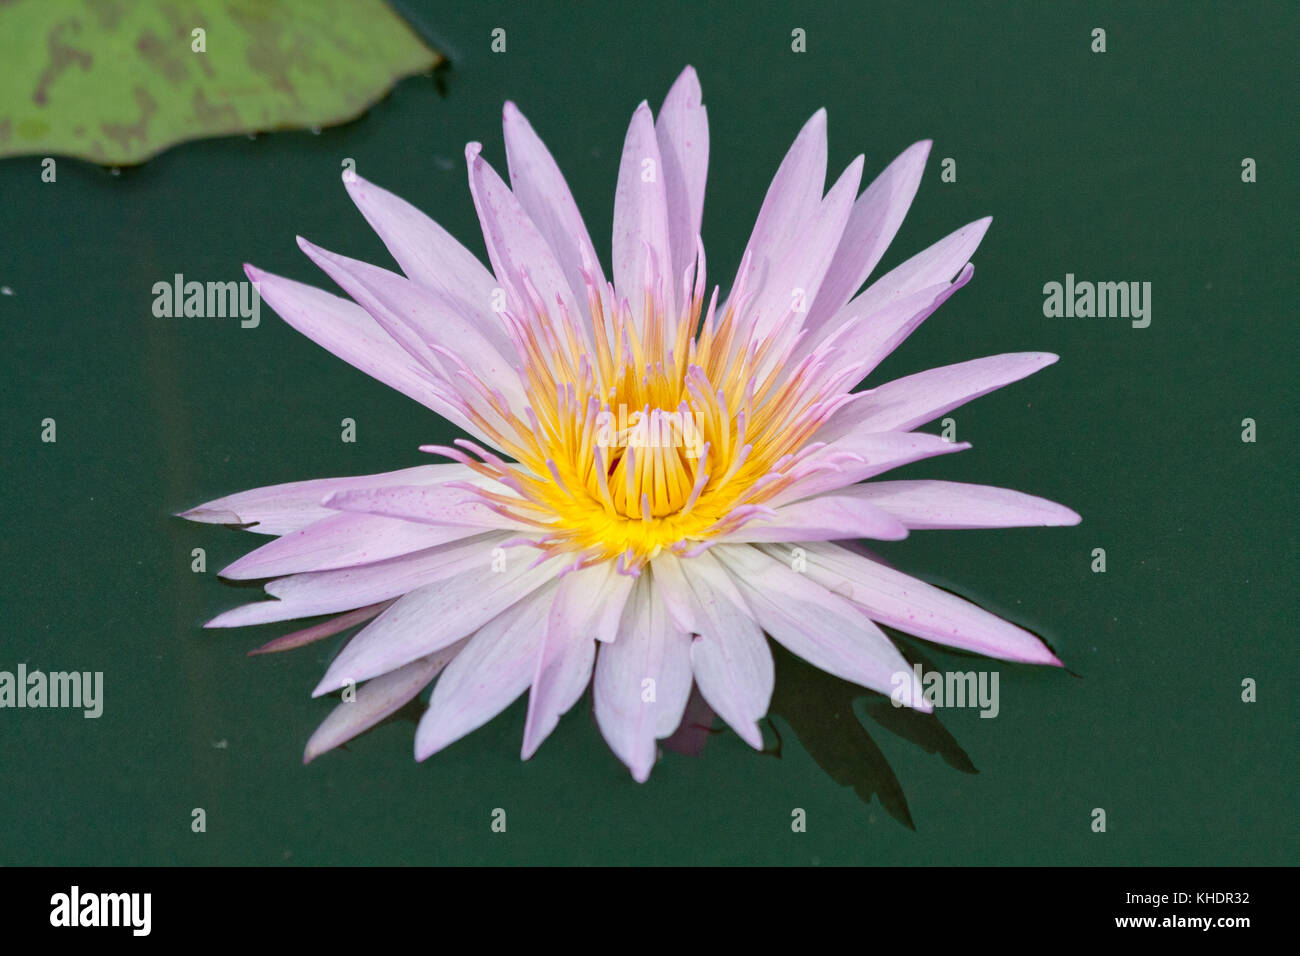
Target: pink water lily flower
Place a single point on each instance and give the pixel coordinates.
(656, 477)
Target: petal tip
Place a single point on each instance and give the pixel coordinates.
(687, 85)
(355, 184)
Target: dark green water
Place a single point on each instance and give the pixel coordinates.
(1117, 166)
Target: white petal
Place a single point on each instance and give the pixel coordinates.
(642, 681)
(564, 661)
(824, 629)
(433, 616)
(730, 658)
(494, 669)
(673, 589)
(375, 700)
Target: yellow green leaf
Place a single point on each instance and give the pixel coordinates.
(116, 81)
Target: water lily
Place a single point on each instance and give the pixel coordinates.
(655, 478)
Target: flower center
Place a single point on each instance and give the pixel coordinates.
(645, 435)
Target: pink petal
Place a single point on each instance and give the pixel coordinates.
(432, 617)
(346, 330)
(905, 403)
(340, 541)
(641, 215)
(918, 608)
(649, 647)
(318, 632)
(375, 700)
(424, 324)
(489, 674)
(329, 592)
(431, 257)
(933, 266)
(682, 130)
(880, 453)
(951, 504)
(874, 222)
(514, 243)
(285, 508)
(823, 518)
(824, 629)
(436, 505)
(872, 334)
(674, 590)
(794, 275)
(541, 190)
(796, 191)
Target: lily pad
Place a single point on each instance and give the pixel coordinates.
(117, 81)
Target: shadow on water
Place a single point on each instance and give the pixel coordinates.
(819, 708)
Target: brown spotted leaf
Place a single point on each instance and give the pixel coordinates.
(116, 81)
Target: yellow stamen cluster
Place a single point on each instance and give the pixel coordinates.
(644, 435)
